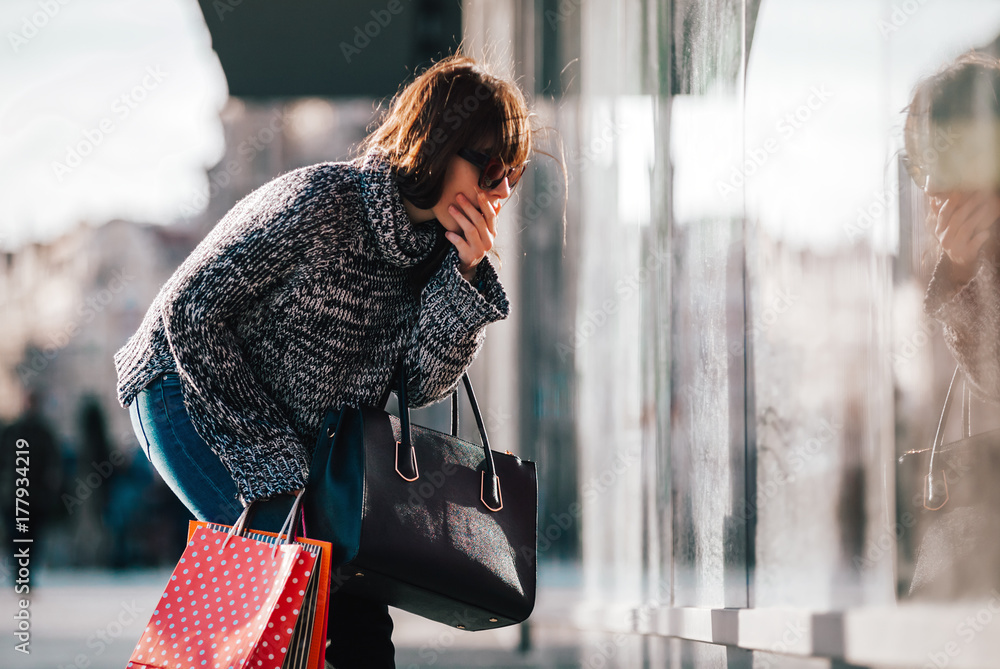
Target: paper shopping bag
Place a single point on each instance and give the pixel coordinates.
(307, 647)
(232, 602)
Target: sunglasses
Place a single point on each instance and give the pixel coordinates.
(917, 171)
(492, 170)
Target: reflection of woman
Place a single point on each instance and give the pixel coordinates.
(952, 139)
(304, 297)
(952, 136)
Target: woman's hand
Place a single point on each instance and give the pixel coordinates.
(963, 224)
(479, 229)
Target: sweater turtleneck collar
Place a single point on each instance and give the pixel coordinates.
(400, 240)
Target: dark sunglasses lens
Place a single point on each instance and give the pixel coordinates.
(515, 175)
(493, 173)
(915, 171)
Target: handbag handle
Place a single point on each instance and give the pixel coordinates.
(406, 467)
(939, 438)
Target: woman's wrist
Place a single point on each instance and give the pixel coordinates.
(961, 273)
(468, 274)
(293, 493)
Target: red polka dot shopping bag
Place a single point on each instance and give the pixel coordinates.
(240, 599)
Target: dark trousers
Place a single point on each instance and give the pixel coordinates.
(360, 630)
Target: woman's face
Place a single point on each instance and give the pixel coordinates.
(947, 188)
(461, 181)
(959, 157)
(938, 190)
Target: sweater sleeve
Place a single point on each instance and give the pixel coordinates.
(255, 246)
(451, 328)
(969, 314)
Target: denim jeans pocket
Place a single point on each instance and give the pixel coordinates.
(140, 432)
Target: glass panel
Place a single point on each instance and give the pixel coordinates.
(611, 171)
(816, 147)
(741, 409)
(946, 298)
(707, 413)
(847, 371)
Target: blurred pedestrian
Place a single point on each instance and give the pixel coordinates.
(311, 290)
(86, 500)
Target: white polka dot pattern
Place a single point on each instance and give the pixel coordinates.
(225, 608)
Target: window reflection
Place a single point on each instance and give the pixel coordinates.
(952, 155)
(781, 330)
(851, 320)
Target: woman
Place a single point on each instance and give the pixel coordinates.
(953, 152)
(952, 137)
(309, 292)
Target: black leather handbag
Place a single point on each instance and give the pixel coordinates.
(422, 520)
(958, 523)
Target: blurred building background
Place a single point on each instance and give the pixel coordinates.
(715, 361)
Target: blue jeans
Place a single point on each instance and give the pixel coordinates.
(360, 630)
(182, 458)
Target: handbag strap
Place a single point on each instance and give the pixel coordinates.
(966, 408)
(384, 399)
(406, 467)
(939, 437)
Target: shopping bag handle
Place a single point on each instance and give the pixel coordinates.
(285, 535)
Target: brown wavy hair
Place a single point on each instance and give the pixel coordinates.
(963, 94)
(453, 104)
(966, 90)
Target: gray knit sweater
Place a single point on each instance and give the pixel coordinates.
(300, 299)
(969, 314)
